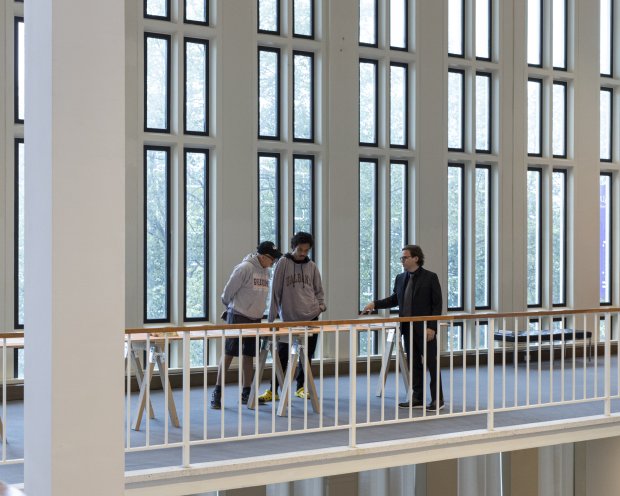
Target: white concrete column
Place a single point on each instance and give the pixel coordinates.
(281, 489)
(74, 294)
(556, 470)
(405, 481)
(374, 482)
(309, 487)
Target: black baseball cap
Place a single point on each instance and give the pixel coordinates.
(269, 248)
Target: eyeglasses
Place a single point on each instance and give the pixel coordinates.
(402, 259)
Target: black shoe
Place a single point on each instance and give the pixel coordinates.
(216, 400)
(245, 395)
(414, 404)
(432, 407)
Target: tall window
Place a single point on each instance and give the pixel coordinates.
(269, 93)
(534, 237)
(482, 235)
(368, 232)
(607, 37)
(157, 82)
(456, 105)
(19, 233)
(606, 239)
(558, 242)
(534, 117)
(606, 123)
(20, 66)
(456, 242)
(303, 193)
(196, 86)
(268, 194)
(368, 111)
(399, 194)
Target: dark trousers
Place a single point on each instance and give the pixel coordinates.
(283, 353)
(416, 345)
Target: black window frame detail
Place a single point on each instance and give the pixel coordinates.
(489, 291)
(539, 81)
(312, 159)
(404, 163)
(462, 54)
(196, 41)
(161, 18)
(16, 86)
(168, 39)
(199, 23)
(461, 307)
(488, 75)
(278, 93)
(609, 90)
(278, 19)
(540, 36)
(564, 267)
(375, 63)
(611, 41)
(376, 18)
(310, 55)
(277, 195)
(489, 34)
(16, 219)
(538, 170)
(565, 130)
(406, 47)
(565, 67)
(463, 109)
(168, 151)
(611, 237)
(405, 66)
(206, 234)
(375, 240)
(312, 25)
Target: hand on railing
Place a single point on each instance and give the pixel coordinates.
(370, 307)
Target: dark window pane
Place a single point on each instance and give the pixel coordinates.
(269, 16)
(559, 237)
(398, 105)
(606, 113)
(398, 215)
(268, 192)
(455, 109)
(559, 34)
(302, 194)
(483, 112)
(606, 239)
(368, 22)
(157, 80)
(19, 231)
(368, 102)
(534, 116)
(196, 86)
(534, 32)
(533, 237)
(303, 96)
(157, 8)
(157, 233)
(20, 67)
(606, 37)
(483, 29)
(455, 237)
(197, 11)
(303, 18)
(196, 234)
(269, 94)
(398, 24)
(367, 232)
(483, 237)
(559, 119)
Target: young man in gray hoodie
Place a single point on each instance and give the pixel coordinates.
(245, 298)
(296, 295)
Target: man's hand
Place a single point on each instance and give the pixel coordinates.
(430, 334)
(370, 307)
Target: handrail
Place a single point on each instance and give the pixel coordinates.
(365, 321)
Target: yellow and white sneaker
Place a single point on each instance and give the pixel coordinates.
(301, 393)
(268, 396)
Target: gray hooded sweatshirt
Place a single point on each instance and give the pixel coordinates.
(297, 290)
(247, 288)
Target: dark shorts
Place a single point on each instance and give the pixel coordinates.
(248, 345)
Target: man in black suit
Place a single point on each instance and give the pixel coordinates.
(417, 293)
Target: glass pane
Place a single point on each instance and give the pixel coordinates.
(19, 242)
(605, 234)
(455, 333)
(482, 333)
(196, 11)
(303, 100)
(302, 194)
(367, 232)
(196, 229)
(268, 93)
(606, 37)
(303, 17)
(157, 82)
(398, 105)
(196, 86)
(398, 23)
(268, 214)
(559, 120)
(455, 237)
(483, 237)
(534, 101)
(559, 237)
(20, 70)
(455, 110)
(368, 22)
(196, 353)
(534, 28)
(533, 237)
(455, 27)
(157, 8)
(268, 15)
(398, 215)
(483, 112)
(606, 123)
(156, 239)
(368, 102)
(559, 33)
(483, 29)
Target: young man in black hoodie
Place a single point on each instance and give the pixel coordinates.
(296, 295)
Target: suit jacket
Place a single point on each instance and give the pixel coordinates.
(426, 298)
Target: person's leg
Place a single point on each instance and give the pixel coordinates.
(431, 361)
(417, 370)
(223, 368)
(312, 340)
(283, 354)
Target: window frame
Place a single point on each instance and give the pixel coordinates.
(278, 206)
(406, 47)
(375, 63)
(198, 23)
(611, 42)
(489, 34)
(198, 41)
(312, 159)
(540, 35)
(167, 17)
(376, 25)
(463, 109)
(375, 241)
(610, 90)
(17, 325)
(541, 117)
(17, 20)
(405, 145)
(168, 39)
(463, 26)
(564, 239)
(610, 261)
(312, 23)
(489, 234)
(566, 14)
(565, 126)
(277, 51)
(539, 303)
(462, 274)
(310, 55)
(278, 30)
(405, 164)
(488, 75)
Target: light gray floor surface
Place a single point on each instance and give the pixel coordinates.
(368, 407)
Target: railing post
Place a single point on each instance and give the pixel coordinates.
(607, 363)
(490, 375)
(352, 386)
(186, 392)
